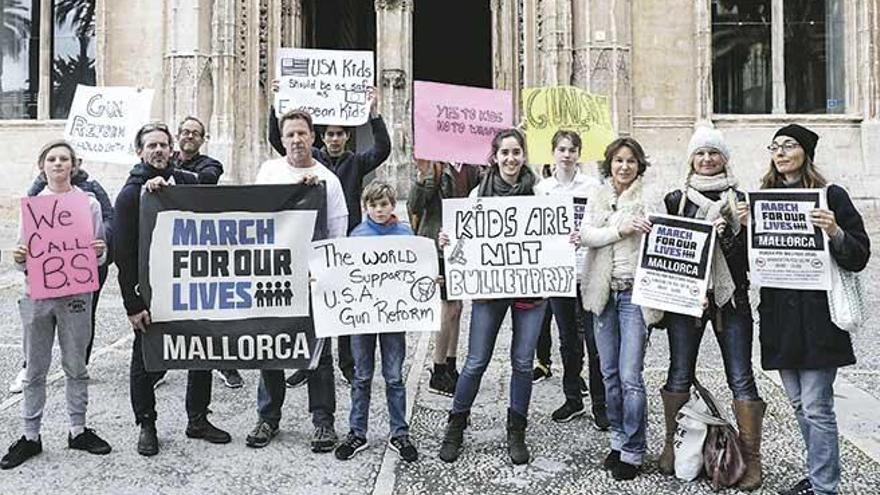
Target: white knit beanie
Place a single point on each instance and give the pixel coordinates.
(706, 137)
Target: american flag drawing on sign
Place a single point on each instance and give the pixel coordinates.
(296, 67)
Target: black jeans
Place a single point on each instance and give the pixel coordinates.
(575, 333)
(346, 360)
(143, 397)
(102, 277)
(322, 392)
(542, 352)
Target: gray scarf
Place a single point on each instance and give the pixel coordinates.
(710, 210)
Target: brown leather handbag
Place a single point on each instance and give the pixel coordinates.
(722, 453)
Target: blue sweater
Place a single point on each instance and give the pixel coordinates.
(392, 227)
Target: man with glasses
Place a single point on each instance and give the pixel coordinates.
(191, 135)
(153, 144)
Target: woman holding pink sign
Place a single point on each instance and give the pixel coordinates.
(70, 315)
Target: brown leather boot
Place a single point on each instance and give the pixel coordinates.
(749, 416)
(672, 402)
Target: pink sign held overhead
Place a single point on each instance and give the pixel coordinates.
(58, 233)
(457, 123)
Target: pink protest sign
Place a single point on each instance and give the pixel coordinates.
(58, 233)
(457, 123)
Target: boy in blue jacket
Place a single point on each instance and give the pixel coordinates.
(379, 200)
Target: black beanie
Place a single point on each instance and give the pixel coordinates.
(805, 137)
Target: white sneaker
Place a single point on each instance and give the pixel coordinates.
(17, 384)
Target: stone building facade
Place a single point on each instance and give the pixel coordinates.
(652, 58)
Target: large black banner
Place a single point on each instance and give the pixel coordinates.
(224, 270)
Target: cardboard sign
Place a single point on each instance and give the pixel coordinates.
(378, 284)
(103, 122)
(58, 233)
(674, 265)
(786, 250)
(457, 123)
(223, 270)
(331, 85)
(547, 110)
(509, 247)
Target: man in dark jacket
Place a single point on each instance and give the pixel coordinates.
(153, 145)
(191, 135)
(351, 168)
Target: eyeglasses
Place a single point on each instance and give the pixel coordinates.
(155, 126)
(786, 147)
(188, 133)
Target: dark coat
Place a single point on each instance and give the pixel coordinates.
(735, 248)
(208, 169)
(796, 327)
(81, 180)
(351, 168)
(126, 227)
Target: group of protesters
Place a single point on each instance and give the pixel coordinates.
(601, 322)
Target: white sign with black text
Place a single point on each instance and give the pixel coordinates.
(506, 247)
(380, 284)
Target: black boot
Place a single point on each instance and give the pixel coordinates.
(148, 442)
(516, 437)
(454, 436)
(200, 427)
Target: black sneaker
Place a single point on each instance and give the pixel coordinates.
(350, 447)
(89, 441)
(585, 391)
(232, 378)
(600, 419)
(568, 412)
(261, 435)
(202, 428)
(22, 450)
(611, 460)
(541, 373)
(404, 448)
(297, 379)
(441, 384)
(624, 471)
(324, 439)
(803, 487)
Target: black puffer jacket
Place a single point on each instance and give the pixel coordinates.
(208, 169)
(796, 327)
(126, 227)
(735, 248)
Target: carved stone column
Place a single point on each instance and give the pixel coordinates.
(394, 79)
(188, 65)
(555, 43)
(506, 60)
(221, 124)
(602, 36)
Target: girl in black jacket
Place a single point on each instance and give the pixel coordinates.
(797, 335)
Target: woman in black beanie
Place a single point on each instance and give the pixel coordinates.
(798, 337)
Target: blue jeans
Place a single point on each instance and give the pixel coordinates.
(621, 337)
(735, 340)
(811, 393)
(486, 318)
(322, 392)
(363, 350)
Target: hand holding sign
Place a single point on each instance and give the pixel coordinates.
(825, 220)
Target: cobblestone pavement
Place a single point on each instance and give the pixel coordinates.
(566, 457)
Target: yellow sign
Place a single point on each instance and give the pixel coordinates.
(546, 110)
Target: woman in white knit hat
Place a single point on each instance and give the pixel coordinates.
(710, 193)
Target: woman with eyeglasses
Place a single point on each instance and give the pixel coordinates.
(797, 335)
(711, 193)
